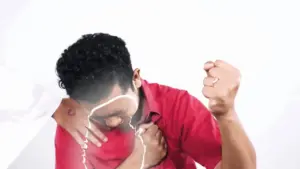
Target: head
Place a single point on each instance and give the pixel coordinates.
(96, 71)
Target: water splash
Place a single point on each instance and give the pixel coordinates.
(137, 132)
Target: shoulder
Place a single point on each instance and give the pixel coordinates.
(63, 139)
(174, 101)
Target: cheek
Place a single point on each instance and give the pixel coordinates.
(132, 110)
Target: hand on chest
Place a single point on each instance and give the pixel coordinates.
(118, 147)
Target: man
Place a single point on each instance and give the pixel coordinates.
(97, 74)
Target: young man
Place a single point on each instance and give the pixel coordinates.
(97, 74)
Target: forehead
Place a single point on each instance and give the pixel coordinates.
(111, 102)
(116, 106)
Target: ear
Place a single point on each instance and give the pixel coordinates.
(137, 80)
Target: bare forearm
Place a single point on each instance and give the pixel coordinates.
(237, 149)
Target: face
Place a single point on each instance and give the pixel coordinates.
(118, 108)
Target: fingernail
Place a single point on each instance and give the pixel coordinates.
(98, 144)
(105, 139)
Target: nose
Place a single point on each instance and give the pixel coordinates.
(113, 121)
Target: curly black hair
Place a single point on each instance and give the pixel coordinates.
(89, 68)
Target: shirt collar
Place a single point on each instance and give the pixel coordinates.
(151, 102)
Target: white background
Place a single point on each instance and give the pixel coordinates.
(170, 41)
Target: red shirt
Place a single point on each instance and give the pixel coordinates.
(191, 132)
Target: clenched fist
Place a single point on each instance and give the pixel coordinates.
(221, 86)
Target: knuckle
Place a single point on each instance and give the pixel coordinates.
(100, 134)
(218, 62)
(155, 142)
(163, 153)
(205, 81)
(155, 127)
(208, 62)
(159, 132)
(211, 71)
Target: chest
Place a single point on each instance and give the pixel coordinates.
(120, 145)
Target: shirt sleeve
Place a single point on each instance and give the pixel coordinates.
(200, 135)
(68, 154)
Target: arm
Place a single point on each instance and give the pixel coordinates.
(237, 149)
(202, 135)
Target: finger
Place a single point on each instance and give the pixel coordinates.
(215, 72)
(93, 139)
(158, 135)
(209, 92)
(78, 139)
(143, 127)
(208, 65)
(88, 135)
(146, 125)
(99, 125)
(162, 140)
(152, 130)
(94, 130)
(222, 64)
(209, 81)
(149, 134)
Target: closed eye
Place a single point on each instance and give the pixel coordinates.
(102, 117)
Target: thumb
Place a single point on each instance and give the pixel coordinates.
(143, 127)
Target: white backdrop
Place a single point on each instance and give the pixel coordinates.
(170, 40)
